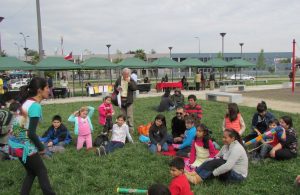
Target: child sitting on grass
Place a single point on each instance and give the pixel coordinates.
(106, 111)
(158, 135)
(119, 133)
(267, 143)
(179, 184)
(189, 135)
(233, 119)
(83, 126)
(57, 136)
(202, 147)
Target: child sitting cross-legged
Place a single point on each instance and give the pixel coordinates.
(202, 147)
(179, 184)
(158, 135)
(57, 136)
(120, 131)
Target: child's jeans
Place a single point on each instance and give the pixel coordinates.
(153, 147)
(111, 146)
(184, 152)
(108, 124)
(84, 138)
(265, 149)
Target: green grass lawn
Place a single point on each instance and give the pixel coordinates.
(133, 166)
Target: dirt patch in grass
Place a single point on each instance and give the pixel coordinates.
(284, 95)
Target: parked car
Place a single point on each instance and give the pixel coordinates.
(241, 77)
(18, 84)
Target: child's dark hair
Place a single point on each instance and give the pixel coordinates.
(206, 136)
(192, 96)
(261, 107)
(233, 111)
(32, 88)
(162, 118)
(121, 116)
(274, 120)
(106, 97)
(288, 120)
(167, 93)
(233, 133)
(178, 163)
(56, 118)
(158, 189)
(14, 106)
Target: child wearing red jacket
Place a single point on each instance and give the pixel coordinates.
(179, 184)
(106, 111)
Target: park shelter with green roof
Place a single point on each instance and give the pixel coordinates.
(56, 63)
(12, 63)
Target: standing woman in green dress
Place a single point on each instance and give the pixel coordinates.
(25, 143)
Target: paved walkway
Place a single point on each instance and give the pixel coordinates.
(247, 101)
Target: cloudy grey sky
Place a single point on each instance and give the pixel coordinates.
(152, 24)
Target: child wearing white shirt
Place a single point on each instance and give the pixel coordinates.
(120, 131)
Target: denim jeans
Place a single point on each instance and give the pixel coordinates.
(111, 146)
(265, 149)
(184, 152)
(205, 171)
(153, 147)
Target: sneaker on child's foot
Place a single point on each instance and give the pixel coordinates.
(102, 150)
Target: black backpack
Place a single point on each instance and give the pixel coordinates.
(5, 118)
(101, 140)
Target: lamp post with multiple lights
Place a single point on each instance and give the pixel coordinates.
(25, 46)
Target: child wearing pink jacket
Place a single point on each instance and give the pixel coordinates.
(106, 111)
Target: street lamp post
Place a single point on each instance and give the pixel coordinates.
(1, 18)
(241, 44)
(198, 45)
(223, 34)
(25, 47)
(108, 57)
(170, 48)
(18, 46)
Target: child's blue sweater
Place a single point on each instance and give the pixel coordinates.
(189, 136)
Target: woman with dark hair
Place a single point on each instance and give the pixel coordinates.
(230, 164)
(166, 102)
(287, 146)
(25, 143)
(260, 121)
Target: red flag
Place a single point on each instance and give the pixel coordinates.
(69, 56)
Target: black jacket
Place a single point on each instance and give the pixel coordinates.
(131, 88)
(158, 134)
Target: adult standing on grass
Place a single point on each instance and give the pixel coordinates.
(26, 139)
(125, 85)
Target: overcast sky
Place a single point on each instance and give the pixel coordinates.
(152, 24)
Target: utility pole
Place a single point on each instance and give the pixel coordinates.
(39, 26)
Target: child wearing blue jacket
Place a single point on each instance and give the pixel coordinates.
(57, 135)
(189, 135)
